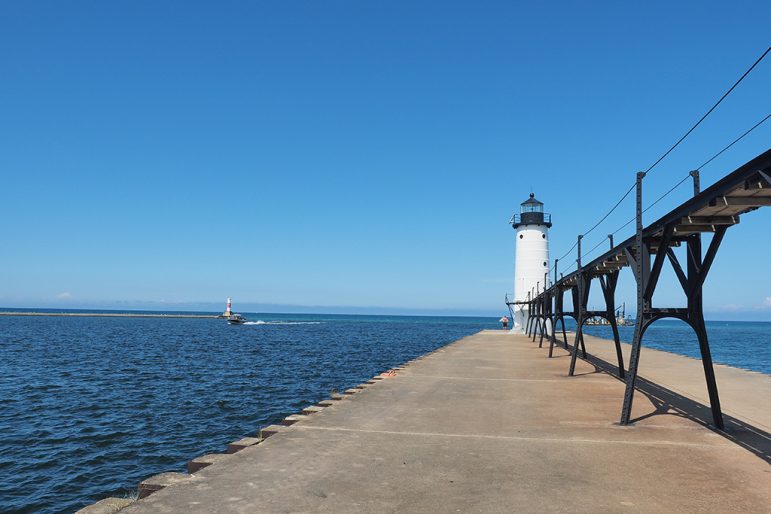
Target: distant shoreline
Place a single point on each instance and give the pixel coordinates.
(109, 315)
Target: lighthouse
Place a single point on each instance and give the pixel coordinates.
(531, 265)
(228, 310)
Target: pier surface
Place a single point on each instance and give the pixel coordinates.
(490, 424)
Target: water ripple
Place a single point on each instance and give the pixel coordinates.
(91, 406)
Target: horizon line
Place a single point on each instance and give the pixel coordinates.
(22, 310)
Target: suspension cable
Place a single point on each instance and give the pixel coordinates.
(725, 95)
(709, 111)
(610, 211)
(734, 142)
(699, 168)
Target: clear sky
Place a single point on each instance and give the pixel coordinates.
(356, 153)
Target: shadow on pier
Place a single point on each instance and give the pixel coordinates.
(669, 403)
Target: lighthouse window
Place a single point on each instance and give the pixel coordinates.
(521, 236)
(543, 236)
(544, 263)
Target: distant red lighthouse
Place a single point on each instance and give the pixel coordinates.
(228, 311)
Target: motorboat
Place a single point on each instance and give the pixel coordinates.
(236, 319)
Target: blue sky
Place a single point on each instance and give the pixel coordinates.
(357, 154)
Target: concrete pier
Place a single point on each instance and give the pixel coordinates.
(490, 424)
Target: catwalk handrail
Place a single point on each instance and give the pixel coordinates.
(760, 164)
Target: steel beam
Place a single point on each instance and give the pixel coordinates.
(747, 201)
(639, 275)
(658, 263)
(710, 220)
(608, 286)
(579, 308)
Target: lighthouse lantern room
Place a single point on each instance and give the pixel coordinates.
(531, 266)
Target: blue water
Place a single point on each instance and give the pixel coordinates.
(741, 344)
(89, 407)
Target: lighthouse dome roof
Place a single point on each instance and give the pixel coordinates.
(532, 200)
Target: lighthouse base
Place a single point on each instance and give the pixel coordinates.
(520, 320)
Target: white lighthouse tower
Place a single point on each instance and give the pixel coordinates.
(532, 255)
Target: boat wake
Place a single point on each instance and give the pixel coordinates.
(260, 322)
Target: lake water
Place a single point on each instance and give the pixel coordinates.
(89, 407)
(742, 344)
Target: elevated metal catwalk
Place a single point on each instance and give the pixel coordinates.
(713, 210)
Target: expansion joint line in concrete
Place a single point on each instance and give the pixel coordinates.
(489, 379)
(561, 440)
